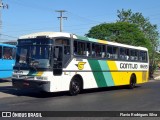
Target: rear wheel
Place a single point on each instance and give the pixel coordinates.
(132, 82)
(75, 86)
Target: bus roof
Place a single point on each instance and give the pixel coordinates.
(7, 45)
(68, 35)
(46, 34)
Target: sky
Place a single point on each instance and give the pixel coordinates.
(30, 16)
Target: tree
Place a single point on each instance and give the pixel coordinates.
(150, 31)
(122, 32)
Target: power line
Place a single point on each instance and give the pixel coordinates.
(61, 18)
(8, 36)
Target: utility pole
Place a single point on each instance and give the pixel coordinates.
(2, 6)
(61, 18)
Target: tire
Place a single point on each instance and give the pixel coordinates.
(75, 86)
(132, 82)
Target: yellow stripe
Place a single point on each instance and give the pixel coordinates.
(39, 73)
(116, 76)
(102, 41)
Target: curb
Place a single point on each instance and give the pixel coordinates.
(157, 78)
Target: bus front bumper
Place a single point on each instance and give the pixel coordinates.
(31, 84)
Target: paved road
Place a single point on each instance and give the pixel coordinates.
(143, 98)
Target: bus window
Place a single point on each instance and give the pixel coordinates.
(22, 55)
(109, 51)
(97, 50)
(103, 52)
(7, 53)
(115, 53)
(66, 44)
(127, 54)
(142, 56)
(81, 48)
(112, 52)
(100, 50)
(67, 50)
(124, 54)
(134, 55)
(75, 48)
(88, 50)
(0, 52)
(62, 41)
(93, 50)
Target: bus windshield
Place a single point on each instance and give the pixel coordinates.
(33, 55)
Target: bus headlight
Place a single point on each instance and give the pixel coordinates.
(41, 78)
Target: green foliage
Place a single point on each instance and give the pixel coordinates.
(121, 32)
(150, 31)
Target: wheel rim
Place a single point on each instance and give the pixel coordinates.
(132, 84)
(75, 87)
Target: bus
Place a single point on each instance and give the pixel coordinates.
(7, 60)
(57, 61)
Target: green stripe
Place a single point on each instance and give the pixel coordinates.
(99, 77)
(107, 75)
(86, 38)
(82, 38)
(32, 73)
(93, 40)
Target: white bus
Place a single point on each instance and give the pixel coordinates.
(57, 61)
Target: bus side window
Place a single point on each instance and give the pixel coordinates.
(115, 53)
(93, 50)
(7, 53)
(127, 54)
(134, 55)
(88, 51)
(103, 53)
(79, 48)
(109, 52)
(98, 50)
(75, 48)
(122, 54)
(143, 56)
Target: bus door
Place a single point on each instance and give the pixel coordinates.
(57, 59)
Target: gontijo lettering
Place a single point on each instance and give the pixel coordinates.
(128, 66)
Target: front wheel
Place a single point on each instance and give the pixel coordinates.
(75, 86)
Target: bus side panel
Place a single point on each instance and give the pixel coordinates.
(123, 76)
(6, 68)
(96, 74)
(81, 68)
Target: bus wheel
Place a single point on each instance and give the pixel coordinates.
(75, 86)
(132, 82)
